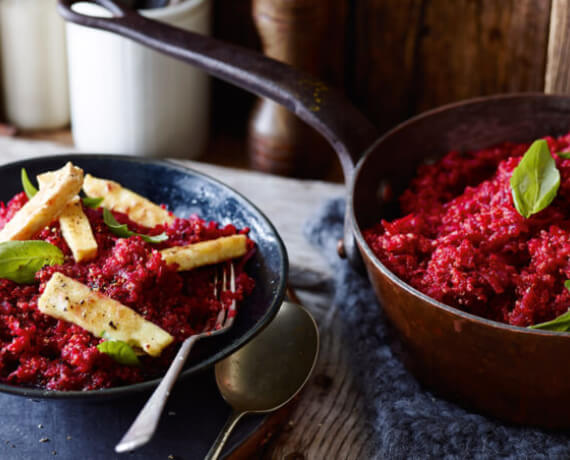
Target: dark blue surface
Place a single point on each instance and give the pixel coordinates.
(79, 430)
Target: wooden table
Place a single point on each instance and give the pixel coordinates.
(327, 419)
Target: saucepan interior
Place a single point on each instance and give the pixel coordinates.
(506, 371)
(185, 192)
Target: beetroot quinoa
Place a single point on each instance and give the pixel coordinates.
(462, 242)
(40, 351)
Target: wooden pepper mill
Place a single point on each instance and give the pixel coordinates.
(291, 31)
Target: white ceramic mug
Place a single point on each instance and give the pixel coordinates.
(128, 99)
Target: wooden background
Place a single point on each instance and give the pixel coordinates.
(395, 58)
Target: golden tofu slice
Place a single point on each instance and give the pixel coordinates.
(45, 206)
(44, 179)
(118, 198)
(205, 252)
(67, 299)
(77, 232)
(75, 226)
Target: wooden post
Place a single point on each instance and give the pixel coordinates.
(557, 77)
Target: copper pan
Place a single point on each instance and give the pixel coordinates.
(515, 374)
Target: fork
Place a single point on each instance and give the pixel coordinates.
(144, 426)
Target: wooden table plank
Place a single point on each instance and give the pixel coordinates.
(329, 421)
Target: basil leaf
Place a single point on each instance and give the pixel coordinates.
(122, 231)
(155, 238)
(20, 260)
(559, 324)
(92, 202)
(564, 155)
(27, 184)
(117, 229)
(535, 180)
(120, 351)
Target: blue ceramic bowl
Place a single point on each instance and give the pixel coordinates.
(185, 192)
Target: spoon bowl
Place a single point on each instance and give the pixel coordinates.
(270, 370)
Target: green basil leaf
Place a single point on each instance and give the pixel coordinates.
(20, 260)
(558, 324)
(564, 155)
(122, 231)
(92, 202)
(535, 180)
(27, 184)
(155, 238)
(120, 351)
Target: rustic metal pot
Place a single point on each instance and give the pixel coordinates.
(510, 372)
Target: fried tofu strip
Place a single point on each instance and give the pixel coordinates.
(118, 198)
(77, 232)
(69, 300)
(205, 252)
(45, 206)
(74, 224)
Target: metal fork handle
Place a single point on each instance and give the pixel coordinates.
(144, 426)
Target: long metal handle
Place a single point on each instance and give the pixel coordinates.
(222, 438)
(321, 106)
(144, 426)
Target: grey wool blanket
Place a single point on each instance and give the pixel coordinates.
(408, 420)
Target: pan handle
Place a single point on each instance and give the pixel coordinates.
(320, 106)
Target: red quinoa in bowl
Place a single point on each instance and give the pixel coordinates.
(462, 242)
(40, 351)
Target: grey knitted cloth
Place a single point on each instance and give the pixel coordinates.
(410, 422)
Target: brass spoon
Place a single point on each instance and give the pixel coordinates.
(270, 370)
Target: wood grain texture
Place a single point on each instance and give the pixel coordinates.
(384, 52)
(557, 77)
(474, 48)
(329, 422)
(334, 45)
(425, 53)
(232, 22)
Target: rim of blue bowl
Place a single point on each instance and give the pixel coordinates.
(128, 390)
